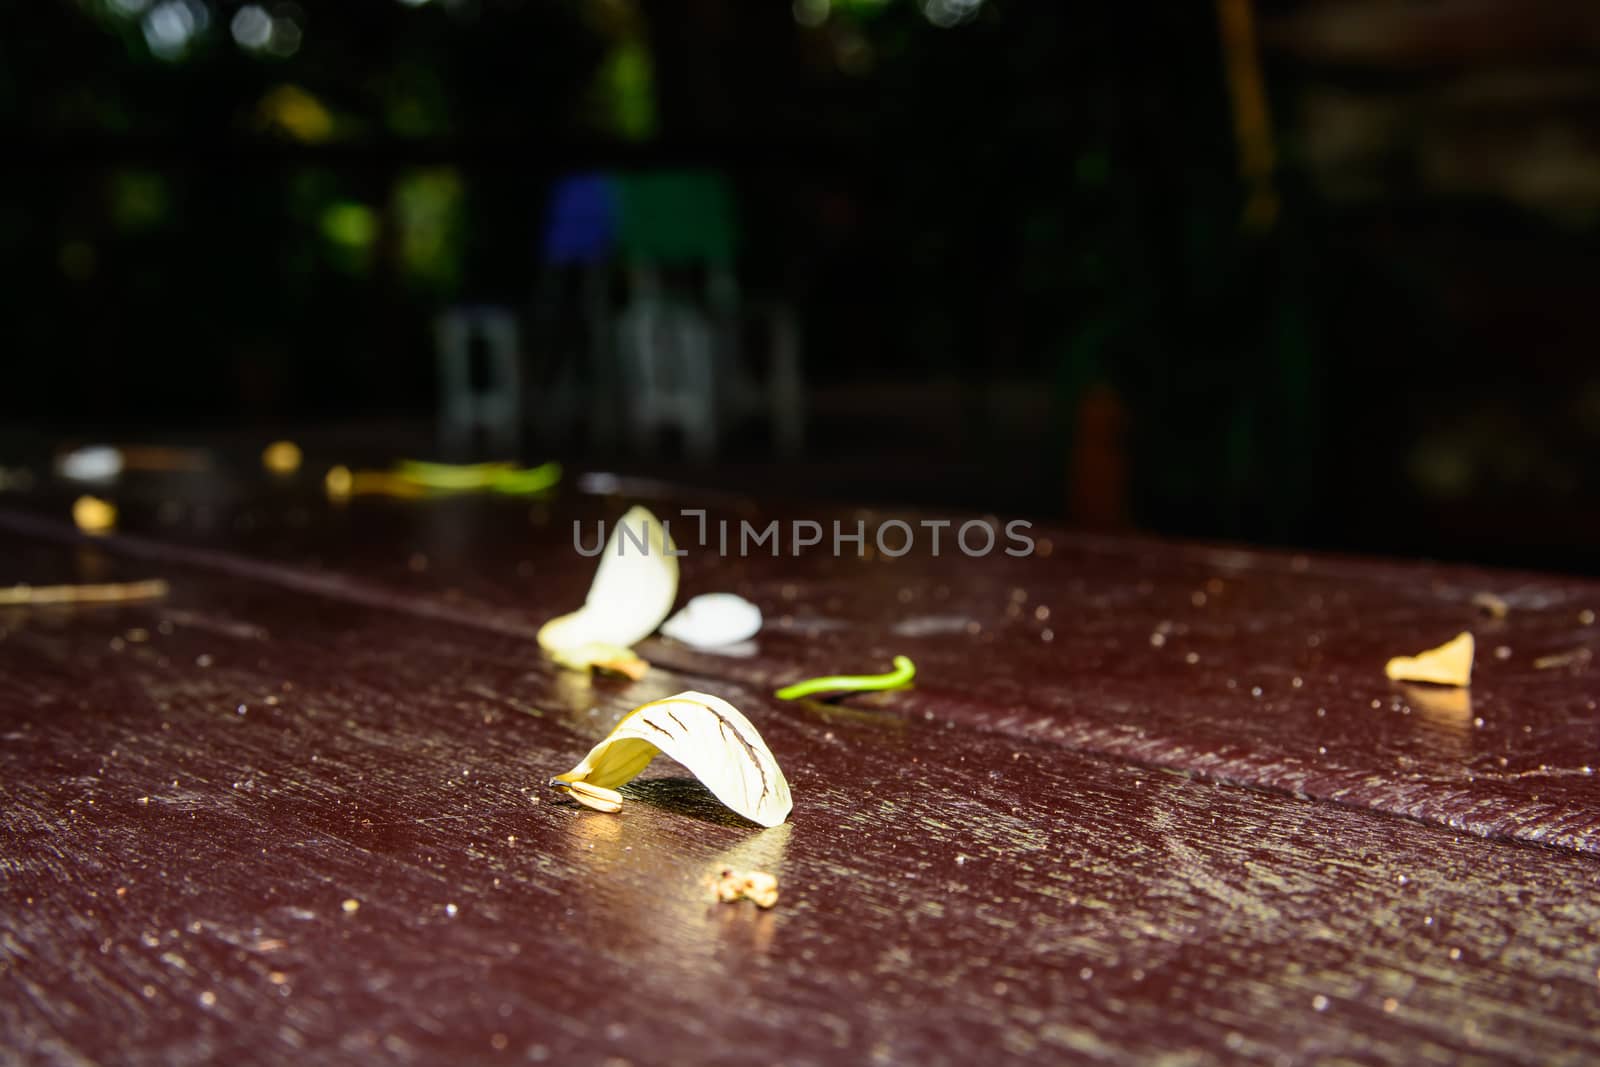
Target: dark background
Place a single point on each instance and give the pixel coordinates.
(1308, 273)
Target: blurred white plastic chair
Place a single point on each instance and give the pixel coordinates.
(473, 415)
(666, 350)
(778, 395)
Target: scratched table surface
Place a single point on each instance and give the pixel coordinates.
(1146, 801)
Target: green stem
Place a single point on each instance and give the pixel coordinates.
(533, 480)
(904, 671)
(500, 477)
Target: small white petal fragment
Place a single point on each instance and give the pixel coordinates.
(633, 590)
(1449, 664)
(92, 463)
(713, 620)
(707, 735)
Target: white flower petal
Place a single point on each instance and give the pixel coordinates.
(707, 735)
(713, 620)
(633, 590)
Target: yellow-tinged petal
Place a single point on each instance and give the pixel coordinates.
(1449, 664)
(707, 735)
(601, 657)
(633, 590)
(592, 796)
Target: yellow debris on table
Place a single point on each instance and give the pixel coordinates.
(1449, 664)
(758, 887)
(341, 483)
(1493, 606)
(93, 515)
(281, 457)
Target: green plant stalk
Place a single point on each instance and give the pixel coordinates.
(904, 671)
(450, 475)
(500, 477)
(533, 480)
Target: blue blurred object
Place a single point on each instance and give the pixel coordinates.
(583, 219)
(645, 261)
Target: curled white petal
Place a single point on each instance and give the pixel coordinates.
(633, 590)
(707, 735)
(713, 620)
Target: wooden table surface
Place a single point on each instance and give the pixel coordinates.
(1147, 802)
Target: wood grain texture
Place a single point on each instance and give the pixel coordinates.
(192, 790)
(1252, 667)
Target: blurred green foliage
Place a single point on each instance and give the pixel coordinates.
(953, 189)
(223, 209)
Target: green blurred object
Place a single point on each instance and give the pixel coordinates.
(349, 223)
(429, 208)
(676, 218)
(525, 482)
(904, 671)
(628, 78)
(139, 199)
(499, 477)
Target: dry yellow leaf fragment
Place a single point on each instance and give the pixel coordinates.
(1449, 664)
(758, 887)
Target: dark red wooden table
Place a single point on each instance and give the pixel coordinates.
(1146, 801)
